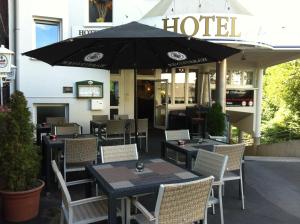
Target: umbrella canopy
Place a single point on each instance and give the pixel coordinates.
(131, 46)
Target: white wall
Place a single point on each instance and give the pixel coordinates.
(42, 83)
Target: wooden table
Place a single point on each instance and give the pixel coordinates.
(120, 179)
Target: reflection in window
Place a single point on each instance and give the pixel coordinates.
(114, 93)
(241, 78)
(191, 87)
(168, 76)
(179, 87)
(46, 32)
(100, 11)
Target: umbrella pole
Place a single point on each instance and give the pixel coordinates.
(135, 110)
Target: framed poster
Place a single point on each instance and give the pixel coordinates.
(100, 11)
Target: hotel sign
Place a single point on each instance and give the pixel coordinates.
(217, 26)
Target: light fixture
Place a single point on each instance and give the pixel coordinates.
(243, 58)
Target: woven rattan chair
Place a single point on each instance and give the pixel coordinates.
(67, 129)
(178, 203)
(82, 211)
(142, 130)
(79, 152)
(170, 135)
(55, 120)
(100, 117)
(117, 153)
(235, 154)
(210, 163)
(121, 116)
(115, 130)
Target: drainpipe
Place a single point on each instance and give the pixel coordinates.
(16, 43)
(258, 107)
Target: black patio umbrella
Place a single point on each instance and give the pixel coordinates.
(131, 46)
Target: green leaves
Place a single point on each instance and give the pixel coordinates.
(216, 120)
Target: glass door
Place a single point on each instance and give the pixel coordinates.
(161, 99)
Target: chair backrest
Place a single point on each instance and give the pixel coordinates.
(66, 198)
(183, 134)
(67, 129)
(210, 163)
(117, 153)
(121, 116)
(80, 150)
(115, 127)
(100, 117)
(183, 202)
(235, 154)
(55, 120)
(142, 125)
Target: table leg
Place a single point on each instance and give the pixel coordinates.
(188, 162)
(163, 150)
(48, 166)
(112, 215)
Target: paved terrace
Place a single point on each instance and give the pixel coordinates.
(272, 194)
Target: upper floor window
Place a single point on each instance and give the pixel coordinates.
(100, 11)
(46, 32)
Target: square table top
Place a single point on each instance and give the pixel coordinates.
(121, 177)
(195, 145)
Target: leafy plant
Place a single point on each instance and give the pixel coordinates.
(19, 159)
(216, 120)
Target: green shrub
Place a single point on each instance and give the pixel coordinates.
(19, 159)
(216, 120)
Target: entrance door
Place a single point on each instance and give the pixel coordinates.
(161, 100)
(115, 96)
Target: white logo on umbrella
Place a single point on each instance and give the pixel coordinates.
(177, 56)
(93, 57)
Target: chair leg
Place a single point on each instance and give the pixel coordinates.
(213, 205)
(62, 218)
(223, 189)
(221, 205)
(205, 217)
(128, 210)
(242, 190)
(123, 211)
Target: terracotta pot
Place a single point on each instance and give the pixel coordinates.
(21, 205)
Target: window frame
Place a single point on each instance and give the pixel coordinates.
(49, 21)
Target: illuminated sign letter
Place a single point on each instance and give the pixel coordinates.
(196, 26)
(174, 26)
(221, 25)
(206, 20)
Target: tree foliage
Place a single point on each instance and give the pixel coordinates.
(19, 160)
(281, 102)
(216, 120)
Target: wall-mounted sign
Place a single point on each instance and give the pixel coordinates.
(89, 89)
(237, 98)
(67, 89)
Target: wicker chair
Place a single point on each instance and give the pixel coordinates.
(170, 135)
(118, 153)
(100, 117)
(235, 154)
(121, 117)
(210, 163)
(178, 203)
(79, 152)
(67, 129)
(142, 130)
(82, 211)
(55, 120)
(115, 130)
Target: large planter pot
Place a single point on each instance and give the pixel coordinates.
(22, 205)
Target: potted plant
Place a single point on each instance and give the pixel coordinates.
(19, 162)
(216, 120)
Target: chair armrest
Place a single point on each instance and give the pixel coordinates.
(143, 210)
(88, 200)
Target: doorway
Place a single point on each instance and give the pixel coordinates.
(145, 97)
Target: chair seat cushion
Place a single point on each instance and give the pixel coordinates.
(94, 211)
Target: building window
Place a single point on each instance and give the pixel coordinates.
(179, 85)
(100, 11)
(46, 32)
(192, 86)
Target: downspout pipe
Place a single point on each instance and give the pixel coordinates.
(16, 42)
